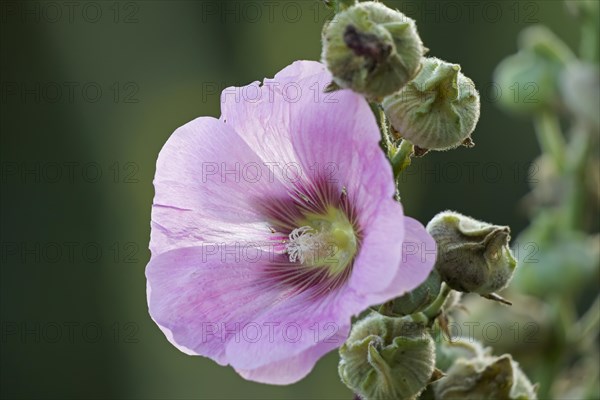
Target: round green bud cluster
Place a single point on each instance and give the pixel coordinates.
(485, 377)
(372, 49)
(387, 358)
(528, 80)
(419, 298)
(438, 110)
(473, 256)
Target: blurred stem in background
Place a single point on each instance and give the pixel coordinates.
(562, 205)
(550, 137)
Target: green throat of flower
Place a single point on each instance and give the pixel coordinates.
(324, 240)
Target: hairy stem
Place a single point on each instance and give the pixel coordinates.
(435, 308)
(401, 159)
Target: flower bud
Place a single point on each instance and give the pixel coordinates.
(372, 49)
(419, 298)
(551, 250)
(528, 80)
(438, 110)
(387, 358)
(543, 42)
(447, 352)
(473, 256)
(453, 301)
(485, 377)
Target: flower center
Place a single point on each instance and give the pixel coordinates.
(323, 240)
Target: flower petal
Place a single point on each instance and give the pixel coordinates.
(262, 112)
(199, 296)
(208, 182)
(296, 326)
(290, 120)
(293, 369)
(222, 310)
(381, 249)
(418, 258)
(397, 255)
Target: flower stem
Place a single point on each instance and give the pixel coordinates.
(584, 331)
(385, 133)
(576, 165)
(401, 158)
(589, 42)
(550, 137)
(434, 309)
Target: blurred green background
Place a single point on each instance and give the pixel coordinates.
(90, 91)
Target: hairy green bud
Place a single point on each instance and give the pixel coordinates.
(447, 352)
(387, 358)
(452, 302)
(485, 377)
(419, 298)
(528, 80)
(438, 110)
(472, 256)
(372, 49)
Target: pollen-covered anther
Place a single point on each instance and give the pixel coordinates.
(325, 239)
(303, 244)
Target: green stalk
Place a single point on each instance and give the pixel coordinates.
(401, 159)
(581, 334)
(550, 137)
(399, 156)
(576, 165)
(385, 133)
(589, 42)
(434, 309)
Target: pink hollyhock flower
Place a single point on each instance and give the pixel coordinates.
(276, 223)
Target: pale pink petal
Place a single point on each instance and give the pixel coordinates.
(199, 294)
(208, 185)
(290, 121)
(411, 257)
(261, 112)
(295, 325)
(219, 309)
(292, 369)
(418, 258)
(381, 249)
